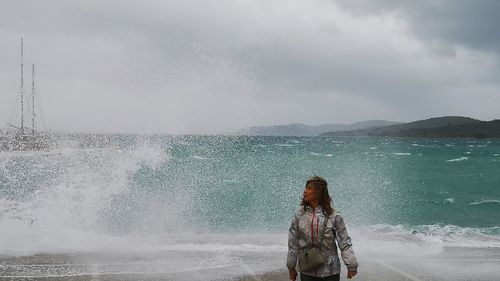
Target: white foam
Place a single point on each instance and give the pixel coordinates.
(438, 235)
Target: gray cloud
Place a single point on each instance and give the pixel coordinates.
(211, 66)
(446, 23)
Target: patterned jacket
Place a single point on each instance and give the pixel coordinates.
(304, 231)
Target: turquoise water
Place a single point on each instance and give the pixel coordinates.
(256, 182)
(144, 186)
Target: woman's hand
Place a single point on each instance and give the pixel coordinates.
(293, 273)
(351, 274)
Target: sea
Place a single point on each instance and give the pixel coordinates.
(211, 207)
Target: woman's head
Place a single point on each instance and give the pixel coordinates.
(316, 190)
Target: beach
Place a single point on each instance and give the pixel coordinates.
(454, 263)
(468, 267)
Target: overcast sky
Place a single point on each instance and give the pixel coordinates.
(213, 66)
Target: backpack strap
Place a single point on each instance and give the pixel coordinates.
(333, 226)
(325, 222)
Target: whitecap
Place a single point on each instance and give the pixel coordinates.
(199, 157)
(401, 153)
(284, 144)
(321, 154)
(416, 144)
(449, 200)
(457, 159)
(485, 201)
(231, 181)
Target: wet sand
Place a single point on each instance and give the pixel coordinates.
(455, 263)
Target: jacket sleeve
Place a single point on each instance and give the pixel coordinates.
(345, 244)
(293, 243)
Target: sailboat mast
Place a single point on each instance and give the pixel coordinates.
(22, 89)
(33, 100)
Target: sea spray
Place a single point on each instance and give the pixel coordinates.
(147, 193)
(65, 212)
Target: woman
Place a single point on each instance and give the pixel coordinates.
(308, 224)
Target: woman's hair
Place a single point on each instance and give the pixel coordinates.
(321, 186)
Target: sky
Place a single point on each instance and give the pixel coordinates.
(205, 67)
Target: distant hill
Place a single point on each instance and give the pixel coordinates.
(480, 130)
(298, 129)
(447, 126)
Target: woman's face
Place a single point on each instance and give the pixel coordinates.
(310, 194)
